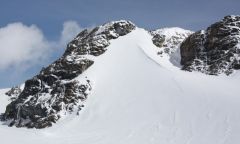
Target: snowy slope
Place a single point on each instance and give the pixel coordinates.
(3, 100)
(139, 98)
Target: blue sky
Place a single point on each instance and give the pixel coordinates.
(48, 16)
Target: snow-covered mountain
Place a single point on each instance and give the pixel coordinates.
(55, 91)
(118, 83)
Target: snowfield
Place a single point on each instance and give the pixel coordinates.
(141, 98)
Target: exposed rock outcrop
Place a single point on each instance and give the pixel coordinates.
(214, 51)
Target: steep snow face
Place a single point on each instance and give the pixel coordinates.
(138, 99)
(4, 100)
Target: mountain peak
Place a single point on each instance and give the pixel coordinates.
(55, 90)
(231, 18)
(117, 25)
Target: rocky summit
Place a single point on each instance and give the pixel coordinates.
(215, 50)
(55, 91)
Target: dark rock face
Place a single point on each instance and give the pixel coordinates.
(55, 91)
(214, 51)
(39, 108)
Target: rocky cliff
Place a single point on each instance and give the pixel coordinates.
(215, 50)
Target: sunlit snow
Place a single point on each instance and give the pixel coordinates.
(141, 98)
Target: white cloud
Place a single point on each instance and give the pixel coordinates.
(70, 30)
(22, 46)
